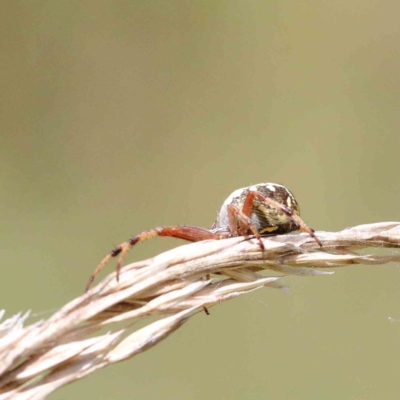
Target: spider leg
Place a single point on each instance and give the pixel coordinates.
(240, 224)
(303, 227)
(189, 233)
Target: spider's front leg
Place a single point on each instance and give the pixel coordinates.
(189, 233)
(240, 224)
(302, 226)
(271, 216)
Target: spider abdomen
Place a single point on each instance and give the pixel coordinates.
(270, 212)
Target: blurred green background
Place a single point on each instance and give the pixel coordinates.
(118, 116)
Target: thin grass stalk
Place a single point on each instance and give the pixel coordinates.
(37, 359)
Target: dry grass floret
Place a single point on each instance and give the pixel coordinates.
(36, 360)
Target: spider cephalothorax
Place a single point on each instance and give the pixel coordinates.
(265, 208)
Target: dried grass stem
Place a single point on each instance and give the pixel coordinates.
(37, 359)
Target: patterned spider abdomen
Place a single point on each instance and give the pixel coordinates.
(272, 207)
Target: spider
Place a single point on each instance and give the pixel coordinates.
(265, 208)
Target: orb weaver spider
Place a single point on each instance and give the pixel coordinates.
(265, 208)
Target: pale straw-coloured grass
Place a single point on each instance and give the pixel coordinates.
(37, 359)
